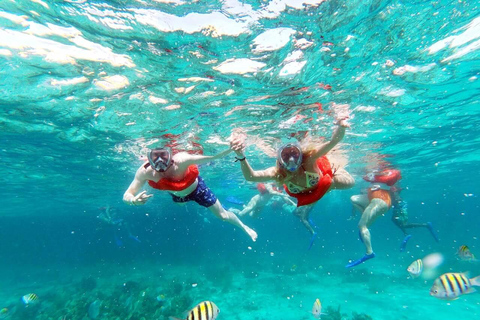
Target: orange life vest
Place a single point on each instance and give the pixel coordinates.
(167, 184)
(317, 192)
(388, 177)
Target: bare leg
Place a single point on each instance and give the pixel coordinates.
(342, 179)
(303, 214)
(231, 218)
(250, 206)
(415, 225)
(359, 202)
(376, 208)
(427, 225)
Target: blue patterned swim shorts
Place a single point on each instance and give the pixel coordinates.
(201, 195)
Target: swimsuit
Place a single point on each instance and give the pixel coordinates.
(380, 194)
(201, 195)
(381, 185)
(312, 180)
(317, 187)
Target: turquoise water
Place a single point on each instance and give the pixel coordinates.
(86, 87)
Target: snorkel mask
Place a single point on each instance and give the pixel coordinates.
(290, 157)
(160, 159)
(370, 177)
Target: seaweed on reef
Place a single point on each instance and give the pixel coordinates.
(361, 316)
(333, 314)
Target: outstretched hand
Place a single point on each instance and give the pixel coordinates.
(141, 198)
(342, 122)
(237, 143)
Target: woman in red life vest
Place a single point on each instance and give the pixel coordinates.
(178, 174)
(257, 203)
(306, 174)
(375, 203)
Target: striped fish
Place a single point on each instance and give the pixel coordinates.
(30, 298)
(465, 254)
(450, 286)
(415, 269)
(205, 310)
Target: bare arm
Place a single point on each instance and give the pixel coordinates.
(257, 175)
(130, 196)
(279, 194)
(337, 136)
(237, 144)
(187, 159)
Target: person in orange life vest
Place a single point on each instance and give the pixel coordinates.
(375, 203)
(266, 193)
(306, 173)
(178, 174)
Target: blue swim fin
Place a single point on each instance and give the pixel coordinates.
(434, 234)
(403, 245)
(314, 236)
(361, 260)
(131, 236)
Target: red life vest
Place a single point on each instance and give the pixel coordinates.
(261, 188)
(167, 184)
(317, 192)
(389, 177)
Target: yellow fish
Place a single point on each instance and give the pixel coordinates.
(4, 313)
(317, 309)
(450, 286)
(30, 298)
(465, 254)
(205, 310)
(415, 269)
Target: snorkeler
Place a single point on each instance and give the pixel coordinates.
(400, 218)
(178, 174)
(375, 203)
(266, 193)
(306, 173)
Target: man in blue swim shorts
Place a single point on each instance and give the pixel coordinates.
(178, 174)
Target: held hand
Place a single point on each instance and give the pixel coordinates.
(342, 122)
(141, 198)
(237, 144)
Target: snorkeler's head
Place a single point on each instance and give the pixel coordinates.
(290, 157)
(160, 159)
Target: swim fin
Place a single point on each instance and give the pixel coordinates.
(404, 242)
(432, 231)
(361, 260)
(314, 236)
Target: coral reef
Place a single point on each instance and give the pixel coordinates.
(335, 314)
